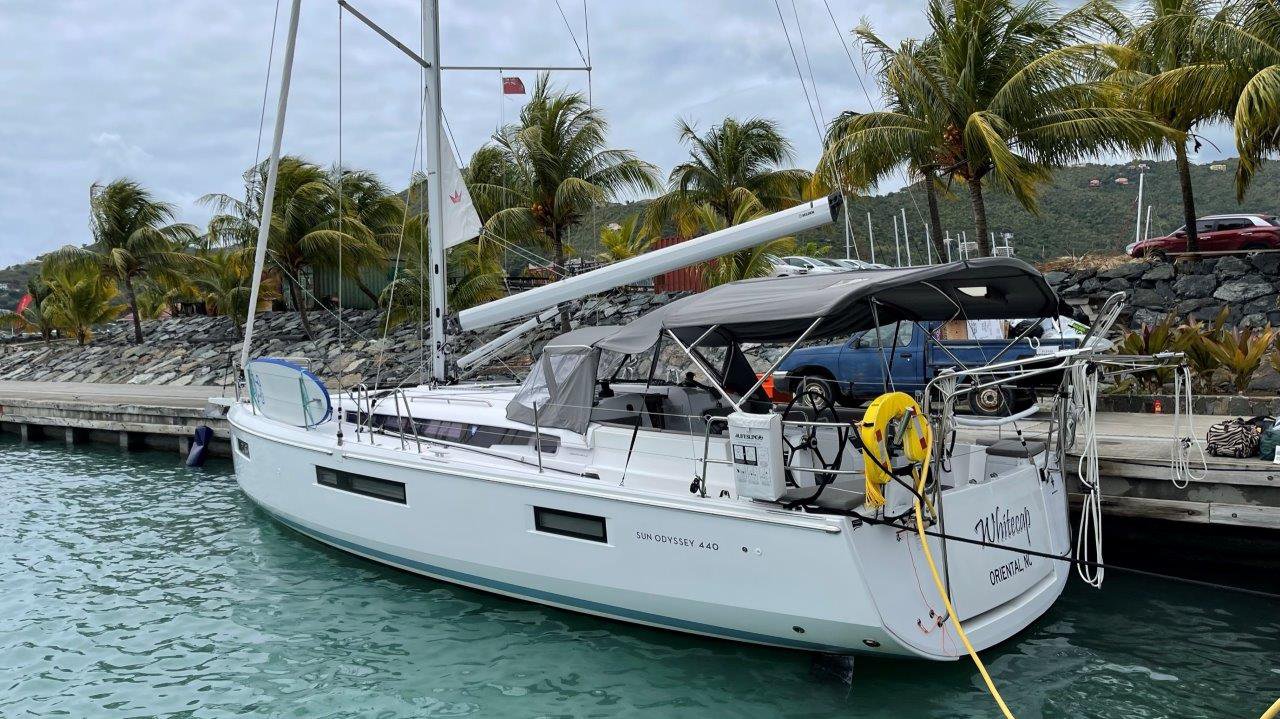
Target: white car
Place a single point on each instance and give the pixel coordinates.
(859, 264)
(784, 269)
(812, 264)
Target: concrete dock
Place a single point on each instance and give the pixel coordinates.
(131, 416)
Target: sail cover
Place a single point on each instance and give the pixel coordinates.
(780, 309)
(461, 223)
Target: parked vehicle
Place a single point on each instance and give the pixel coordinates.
(1216, 233)
(813, 264)
(781, 268)
(859, 264)
(852, 372)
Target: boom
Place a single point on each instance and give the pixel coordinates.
(806, 216)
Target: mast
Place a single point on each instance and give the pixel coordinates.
(1137, 229)
(437, 277)
(273, 171)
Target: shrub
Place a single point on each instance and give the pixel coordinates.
(1241, 352)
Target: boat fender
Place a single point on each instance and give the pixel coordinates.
(199, 446)
(913, 435)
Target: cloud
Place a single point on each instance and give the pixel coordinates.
(170, 93)
(115, 154)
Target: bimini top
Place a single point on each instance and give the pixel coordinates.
(780, 309)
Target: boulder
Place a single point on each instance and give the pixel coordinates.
(1268, 263)
(1202, 267)
(1188, 306)
(1241, 291)
(1162, 271)
(1127, 270)
(1143, 297)
(1055, 278)
(1143, 316)
(1195, 285)
(1229, 268)
(1117, 284)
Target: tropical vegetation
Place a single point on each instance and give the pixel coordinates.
(554, 164)
(736, 172)
(134, 237)
(994, 107)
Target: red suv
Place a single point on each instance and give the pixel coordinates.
(1216, 233)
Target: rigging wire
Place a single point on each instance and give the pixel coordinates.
(804, 47)
(586, 29)
(871, 105)
(817, 126)
(341, 177)
(572, 36)
(266, 87)
(849, 54)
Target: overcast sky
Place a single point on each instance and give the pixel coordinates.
(169, 93)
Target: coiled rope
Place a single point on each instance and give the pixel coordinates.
(1084, 395)
(1180, 455)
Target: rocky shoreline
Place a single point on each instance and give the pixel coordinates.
(200, 351)
(1247, 286)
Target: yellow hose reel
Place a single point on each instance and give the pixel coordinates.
(912, 433)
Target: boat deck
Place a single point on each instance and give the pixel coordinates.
(1134, 448)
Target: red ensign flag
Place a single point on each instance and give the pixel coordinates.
(512, 86)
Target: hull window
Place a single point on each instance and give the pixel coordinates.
(242, 447)
(360, 484)
(569, 524)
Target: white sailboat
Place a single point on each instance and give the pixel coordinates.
(602, 486)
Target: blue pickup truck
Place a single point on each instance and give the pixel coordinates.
(852, 372)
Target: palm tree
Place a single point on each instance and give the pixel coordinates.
(475, 277)
(734, 174)
(624, 241)
(744, 264)
(730, 157)
(862, 149)
(306, 231)
(224, 284)
(80, 297)
(133, 238)
(554, 165)
(1162, 42)
(34, 317)
(1208, 61)
(1016, 90)
(372, 220)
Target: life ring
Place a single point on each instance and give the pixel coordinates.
(915, 441)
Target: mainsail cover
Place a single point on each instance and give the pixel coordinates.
(461, 223)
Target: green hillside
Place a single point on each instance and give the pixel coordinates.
(13, 282)
(1074, 218)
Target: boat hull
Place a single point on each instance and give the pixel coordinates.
(766, 577)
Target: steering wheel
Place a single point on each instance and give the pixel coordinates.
(690, 382)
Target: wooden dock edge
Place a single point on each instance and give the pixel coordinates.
(1239, 515)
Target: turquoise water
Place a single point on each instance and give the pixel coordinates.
(134, 587)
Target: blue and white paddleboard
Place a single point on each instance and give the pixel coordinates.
(288, 393)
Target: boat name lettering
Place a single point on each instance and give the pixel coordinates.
(1001, 527)
(678, 541)
(1007, 570)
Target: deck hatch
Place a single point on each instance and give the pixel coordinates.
(361, 484)
(570, 524)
